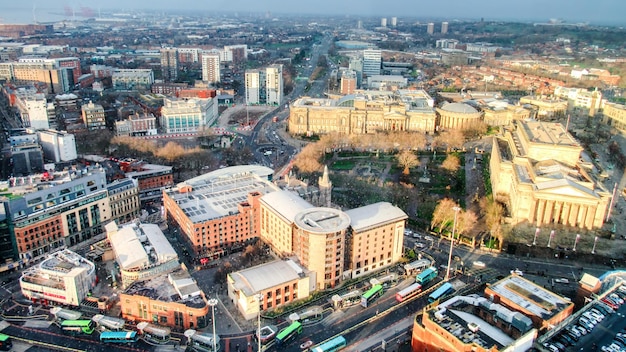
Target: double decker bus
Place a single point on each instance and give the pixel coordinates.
(408, 292)
(5, 342)
(440, 292)
(289, 333)
(119, 336)
(335, 344)
(371, 294)
(202, 342)
(75, 327)
(426, 276)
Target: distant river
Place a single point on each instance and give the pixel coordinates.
(10, 15)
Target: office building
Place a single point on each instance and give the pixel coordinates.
(152, 179)
(279, 283)
(124, 200)
(430, 28)
(580, 99)
(141, 251)
(67, 212)
(93, 116)
(444, 27)
(63, 277)
(372, 61)
(446, 43)
(274, 84)
(173, 300)
(132, 79)
(188, 115)
(364, 112)
(211, 68)
(537, 167)
(58, 146)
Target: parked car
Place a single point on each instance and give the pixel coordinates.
(479, 264)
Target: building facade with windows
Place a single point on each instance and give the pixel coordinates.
(132, 79)
(64, 277)
(48, 216)
(169, 64)
(172, 300)
(93, 116)
(364, 112)
(274, 84)
(188, 115)
(124, 200)
(615, 115)
(211, 68)
(57, 146)
(278, 283)
(537, 167)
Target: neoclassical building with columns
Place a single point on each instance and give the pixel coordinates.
(457, 116)
(364, 112)
(537, 167)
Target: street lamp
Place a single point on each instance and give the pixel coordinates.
(213, 302)
(456, 212)
(259, 297)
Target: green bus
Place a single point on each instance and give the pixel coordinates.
(78, 326)
(289, 332)
(5, 342)
(371, 294)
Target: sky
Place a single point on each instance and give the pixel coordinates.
(611, 12)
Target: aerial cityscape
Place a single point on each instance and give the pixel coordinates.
(326, 176)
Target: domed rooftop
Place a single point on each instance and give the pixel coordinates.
(459, 107)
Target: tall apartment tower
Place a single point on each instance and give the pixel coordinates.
(274, 84)
(253, 84)
(169, 64)
(348, 82)
(359, 24)
(93, 116)
(383, 22)
(444, 27)
(394, 21)
(371, 62)
(211, 68)
(431, 28)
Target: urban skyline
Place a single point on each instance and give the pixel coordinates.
(607, 12)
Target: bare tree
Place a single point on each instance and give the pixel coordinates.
(443, 216)
(307, 161)
(170, 152)
(407, 159)
(451, 163)
(494, 212)
(450, 139)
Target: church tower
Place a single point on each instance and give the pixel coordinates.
(325, 186)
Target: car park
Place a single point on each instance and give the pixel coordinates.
(609, 303)
(591, 317)
(574, 331)
(580, 329)
(616, 298)
(604, 309)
